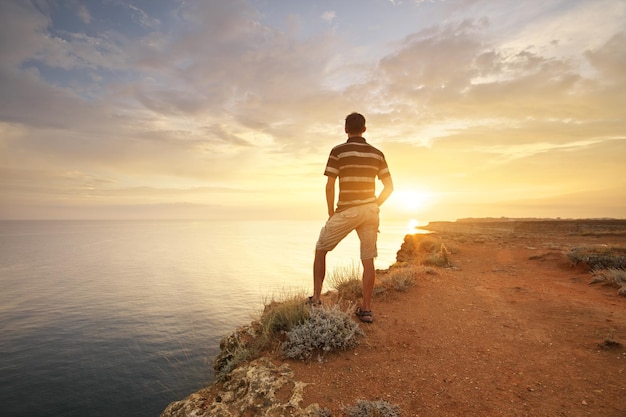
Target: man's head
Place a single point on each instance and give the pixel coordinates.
(355, 124)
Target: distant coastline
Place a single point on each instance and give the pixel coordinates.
(534, 225)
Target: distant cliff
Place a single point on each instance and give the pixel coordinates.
(506, 225)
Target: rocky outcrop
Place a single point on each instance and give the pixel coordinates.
(259, 388)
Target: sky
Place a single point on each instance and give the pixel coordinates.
(228, 109)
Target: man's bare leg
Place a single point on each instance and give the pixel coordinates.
(319, 272)
(369, 276)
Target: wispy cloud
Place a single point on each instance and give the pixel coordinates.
(329, 16)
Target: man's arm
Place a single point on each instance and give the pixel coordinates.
(386, 192)
(330, 195)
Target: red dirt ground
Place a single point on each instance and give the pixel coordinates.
(512, 329)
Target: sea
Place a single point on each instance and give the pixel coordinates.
(120, 318)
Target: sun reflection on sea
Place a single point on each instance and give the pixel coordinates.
(413, 227)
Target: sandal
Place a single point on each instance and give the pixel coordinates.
(312, 303)
(364, 316)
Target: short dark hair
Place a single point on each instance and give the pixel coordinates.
(355, 123)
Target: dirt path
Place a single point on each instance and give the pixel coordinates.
(511, 330)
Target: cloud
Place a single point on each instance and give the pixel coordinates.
(329, 16)
(610, 59)
(20, 32)
(81, 11)
(453, 74)
(143, 18)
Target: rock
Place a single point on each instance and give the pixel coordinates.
(259, 388)
(234, 349)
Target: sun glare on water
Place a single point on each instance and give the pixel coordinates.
(412, 227)
(411, 203)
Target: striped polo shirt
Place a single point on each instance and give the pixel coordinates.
(357, 164)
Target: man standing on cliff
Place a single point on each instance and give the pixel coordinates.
(357, 164)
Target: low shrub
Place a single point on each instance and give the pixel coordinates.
(599, 257)
(611, 276)
(439, 258)
(323, 412)
(373, 409)
(400, 279)
(325, 330)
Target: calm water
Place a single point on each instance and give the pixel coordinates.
(110, 318)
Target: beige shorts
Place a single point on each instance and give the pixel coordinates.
(364, 219)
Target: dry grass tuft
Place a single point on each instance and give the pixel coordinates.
(611, 276)
(346, 280)
(607, 263)
(438, 258)
(400, 279)
(424, 249)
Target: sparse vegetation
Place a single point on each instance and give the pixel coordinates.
(438, 258)
(400, 279)
(325, 330)
(283, 316)
(235, 348)
(599, 257)
(301, 330)
(249, 342)
(607, 263)
(425, 250)
(347, 281)
(373, 409)
(611, 276)
(323, 412)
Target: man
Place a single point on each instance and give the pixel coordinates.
(357, 164)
